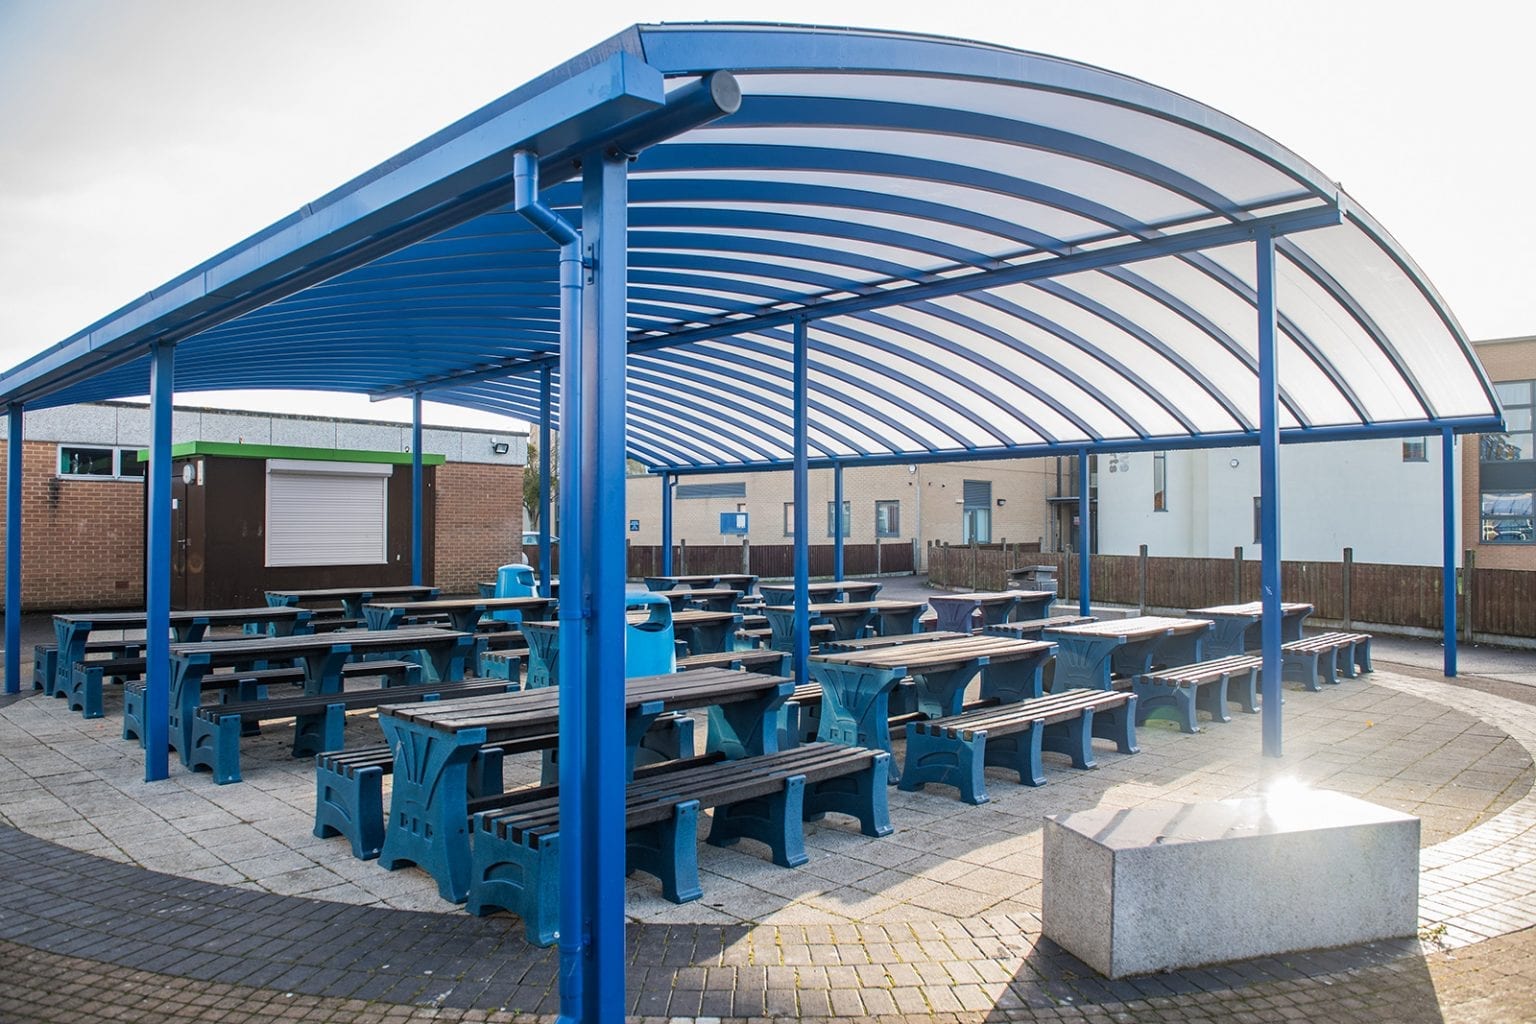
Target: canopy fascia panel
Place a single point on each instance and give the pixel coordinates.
(997, 253)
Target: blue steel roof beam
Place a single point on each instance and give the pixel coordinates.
(1095, 259)
(1207, 326)
(413, 196)
(750, 420)
(406, 292)
(1367, 323)
(1135, 330)
(1019, 345)
(967, 358)
(689, 49)
(828, 112)
(674, 218)
(888, 371)
(1287, 326)
(774, 365)
(706, 420)
(644, 188)
(656, 299)
(406, 322)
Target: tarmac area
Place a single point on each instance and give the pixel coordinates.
(185, 901)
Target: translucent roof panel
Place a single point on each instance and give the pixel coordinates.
(996, 252)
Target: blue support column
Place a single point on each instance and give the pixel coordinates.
(416, 490)
(546, 556)
(666, 524)
(1448, 525)
(802, 515)
(157, 568)
(1269, 494)
(13, 444)
(592, 580)
(837, 521)
(1084, 533)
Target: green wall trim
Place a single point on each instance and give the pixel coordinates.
(278, 451)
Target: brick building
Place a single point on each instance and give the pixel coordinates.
(83, 501)
(1498, 471)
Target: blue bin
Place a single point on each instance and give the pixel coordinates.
(513, 581)
(649, 649)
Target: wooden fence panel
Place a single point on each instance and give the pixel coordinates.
(1504, 602)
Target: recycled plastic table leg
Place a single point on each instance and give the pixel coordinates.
(1083, 660)
(855, 706)
(749, 727)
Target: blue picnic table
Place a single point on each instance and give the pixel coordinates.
(322, 655)
(434, 744)
(958, 612)
(1235, 627)
(1088, 655)
(822, 591)
(849, 619)
(352, 598)
(856, 685)
(72, 631)
(463, 614)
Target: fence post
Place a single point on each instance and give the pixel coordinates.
(1141, 580)
(627, 576)
(877, 556)
(1063, 578)
(1468, 592)
(1349, 579)
(973, 563)
(746, 557)
(1237, 575)
(682, 557)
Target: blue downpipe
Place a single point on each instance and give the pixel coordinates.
(546, 556)
(837, 522)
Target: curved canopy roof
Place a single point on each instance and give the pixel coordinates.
(999, 252)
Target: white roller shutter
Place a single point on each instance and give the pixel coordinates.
(327, 513)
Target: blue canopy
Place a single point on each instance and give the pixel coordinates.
(1002, 253)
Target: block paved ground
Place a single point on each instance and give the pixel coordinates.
(183, 900)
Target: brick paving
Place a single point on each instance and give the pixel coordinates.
(184, 901)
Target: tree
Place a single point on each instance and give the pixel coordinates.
(531, 481)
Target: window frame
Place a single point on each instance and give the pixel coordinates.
(894, 529)
(120, 454)
(1485, 520)
(847, 519)
(789, 519)
(1527, 404)
(1159, 481)
(1415, 449)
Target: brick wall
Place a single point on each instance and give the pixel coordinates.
(82, 543)
(1513, 359)
(479, 522)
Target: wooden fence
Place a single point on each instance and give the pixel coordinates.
(769, 561)
(1494, 602)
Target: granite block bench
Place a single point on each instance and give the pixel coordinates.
(768, 797)
(956, 750)
(319, 724)
(1206, 686)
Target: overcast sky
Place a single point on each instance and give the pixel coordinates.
(142, 136)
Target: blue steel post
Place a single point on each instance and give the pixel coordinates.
(666, 524)
(592, 578)
(13, 550)
(1269, 494)
(157, 565)
(837, 521)
(1084, 533)
(802, 514)
(416, 489)
(1448, 525)
(546, 556)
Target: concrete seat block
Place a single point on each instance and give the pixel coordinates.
(1168, 886)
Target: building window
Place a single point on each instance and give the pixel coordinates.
(715, 490)
(1515, 444)
(976, 526)
(847, 519)
(1258, 521)
(89, 462)
(789, 519)
(1415, 450)
(887, 519)
(1507, 517)
(1159, 481)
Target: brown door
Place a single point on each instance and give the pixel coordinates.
(179, 539)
